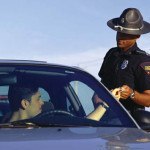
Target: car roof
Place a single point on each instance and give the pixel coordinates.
(36, 63)
(21, 61)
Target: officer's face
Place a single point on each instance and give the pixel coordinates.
(125, 41)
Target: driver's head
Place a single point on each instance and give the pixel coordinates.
(25, 98)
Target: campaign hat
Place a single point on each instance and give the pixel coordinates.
(130, 22)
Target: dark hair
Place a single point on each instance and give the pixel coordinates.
(18, 92)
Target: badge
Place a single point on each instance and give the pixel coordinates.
(146, 67)
(122, 20)
(124, 64)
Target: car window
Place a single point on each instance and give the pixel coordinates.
(44, 95)
(84, 94)
(4, 103)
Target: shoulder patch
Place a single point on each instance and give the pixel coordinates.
(146, 67)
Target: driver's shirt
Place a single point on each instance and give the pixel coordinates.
(130, 68)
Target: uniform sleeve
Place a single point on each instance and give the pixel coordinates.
(104, 61)
(144, 75)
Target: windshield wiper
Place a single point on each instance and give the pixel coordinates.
(19, 124)
(6, 125)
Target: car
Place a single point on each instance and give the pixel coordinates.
(64, 124)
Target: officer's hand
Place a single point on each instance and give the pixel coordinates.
(116, 93)
(125, 92)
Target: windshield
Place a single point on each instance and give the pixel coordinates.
(56, 96)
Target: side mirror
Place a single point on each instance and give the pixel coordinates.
(142, 117)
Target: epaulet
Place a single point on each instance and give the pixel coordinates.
(141, 52)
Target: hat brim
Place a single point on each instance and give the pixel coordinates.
(114, 22)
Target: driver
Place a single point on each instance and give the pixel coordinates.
(25, 102)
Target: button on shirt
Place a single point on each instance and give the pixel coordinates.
(130, 68)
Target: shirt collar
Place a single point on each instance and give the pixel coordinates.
(129, 51)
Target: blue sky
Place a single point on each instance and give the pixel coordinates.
(72, 32)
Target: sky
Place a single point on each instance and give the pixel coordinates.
(70, 32)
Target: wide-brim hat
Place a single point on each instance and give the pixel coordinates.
(130, 22)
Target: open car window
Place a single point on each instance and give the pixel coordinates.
(86, 97)
(69, 91)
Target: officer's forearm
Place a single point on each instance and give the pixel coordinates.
(142, 98)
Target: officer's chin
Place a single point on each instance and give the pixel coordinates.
(120, 46)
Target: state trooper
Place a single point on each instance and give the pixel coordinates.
(126, 65)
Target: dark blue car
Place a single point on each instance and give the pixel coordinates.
(67, 94)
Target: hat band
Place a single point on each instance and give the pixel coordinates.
(131, 29)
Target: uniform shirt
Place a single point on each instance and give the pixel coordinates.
(130, 68)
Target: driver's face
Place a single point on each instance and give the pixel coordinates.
(35, 105)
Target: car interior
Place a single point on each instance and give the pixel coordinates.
(55, 90)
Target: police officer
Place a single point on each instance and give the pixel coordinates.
(127, 66)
